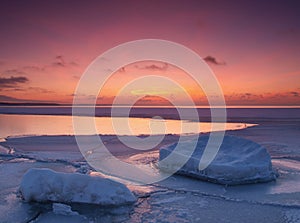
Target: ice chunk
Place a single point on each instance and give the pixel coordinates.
(63, 209)
(44, 185)
(239, 161)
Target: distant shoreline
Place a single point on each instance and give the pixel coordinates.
(42, 104)
(28, 104)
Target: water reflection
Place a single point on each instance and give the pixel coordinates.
(20, 125)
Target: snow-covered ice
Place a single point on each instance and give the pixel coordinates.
(42, 185)
(238, 161)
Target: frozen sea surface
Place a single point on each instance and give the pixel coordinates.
(176, 199)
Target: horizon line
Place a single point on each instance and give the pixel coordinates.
(45, 104)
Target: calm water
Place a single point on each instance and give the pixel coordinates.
(19, 125)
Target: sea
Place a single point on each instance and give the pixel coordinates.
(43, 136)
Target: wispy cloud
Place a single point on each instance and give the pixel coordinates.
(14, 72)
(5, 98)
(34, 68)
(213, 60)
(154, 67)
(295, 93)
(40, 90)
(267, 98)
(9, 99)
(12, 82)
(61, 62)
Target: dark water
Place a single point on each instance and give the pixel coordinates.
(233, 114)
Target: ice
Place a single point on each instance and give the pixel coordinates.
(239, 161)
(63, 209)
(44, 185)
(51, 217)
(176, 199)
(3, 150)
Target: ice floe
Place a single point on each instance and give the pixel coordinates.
(238, 161)
(43, 185)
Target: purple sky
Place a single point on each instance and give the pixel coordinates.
(252, 46)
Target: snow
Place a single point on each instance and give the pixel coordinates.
(239, 161)
(43, 185)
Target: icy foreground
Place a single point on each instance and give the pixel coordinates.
(44, 185)
(239, 161)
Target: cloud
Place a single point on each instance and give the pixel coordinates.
(154, 67)
(14, 72)
(5, 98)
(40, 90)
(247, 95)
(267, 98)
(295, 94)
(34, 68)
(152, 100)
(213, 60)
(9, 99)
(12, 81)
(61, 62)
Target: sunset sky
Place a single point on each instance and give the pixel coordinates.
(253, 47)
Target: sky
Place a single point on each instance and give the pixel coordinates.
(253, 48)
